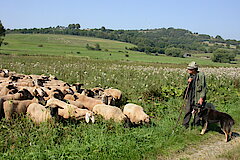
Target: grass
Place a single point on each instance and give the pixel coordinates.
(157, 87)
(232, 155)
(75, 46)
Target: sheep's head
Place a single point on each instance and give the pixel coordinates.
(147, 119)
(25, 94)
(89, 115)
(79, 114)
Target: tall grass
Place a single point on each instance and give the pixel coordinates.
(157, 87)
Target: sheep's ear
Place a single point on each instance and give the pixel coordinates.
(87, 117)
(93, 119)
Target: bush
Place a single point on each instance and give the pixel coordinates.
(96, 48)
(5, 43)
(223, 56)
(174, 52)
(40, 45)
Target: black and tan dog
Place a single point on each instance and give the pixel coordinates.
(209, 115)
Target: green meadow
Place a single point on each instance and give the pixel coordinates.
(67, 45)
(157, 87)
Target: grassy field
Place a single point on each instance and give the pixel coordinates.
(158, 87)
(75, 46)
(155, 86)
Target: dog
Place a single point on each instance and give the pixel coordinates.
(208, 115)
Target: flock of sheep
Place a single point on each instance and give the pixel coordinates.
(43, 97)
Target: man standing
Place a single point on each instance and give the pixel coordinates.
(195, 92)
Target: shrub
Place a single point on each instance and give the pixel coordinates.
(5, 43)
(96, 48)
(223, 56)
(174, 52)
(40, 45)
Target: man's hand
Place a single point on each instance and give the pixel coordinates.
(200, 101)
(190, 80)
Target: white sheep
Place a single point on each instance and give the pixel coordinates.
(16, 107)
(109, 112)
(88, 102)
(135, 114)
(70, 111)
(39, 113)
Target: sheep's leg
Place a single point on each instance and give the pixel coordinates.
(92, 119)
(204, 128)
(87, 117)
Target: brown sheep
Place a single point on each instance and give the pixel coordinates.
(88, 102)
(109, 112)
(115, 93)
(70, 97)
(75, 103)
(135, 114)
(70, 111)
(112, 96)
(16, 107)
(77, 87)
(21, 95)
(7, 89)
(55, 93)
(39, 113)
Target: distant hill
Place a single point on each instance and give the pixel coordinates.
(149, 41)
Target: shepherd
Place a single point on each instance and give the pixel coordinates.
(196, 91)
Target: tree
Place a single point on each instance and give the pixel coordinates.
(2, 33)
(174, 52)
(103, 28)
(77, 26)
(223, 55)
(71, 26)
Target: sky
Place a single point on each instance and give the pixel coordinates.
(212, 17)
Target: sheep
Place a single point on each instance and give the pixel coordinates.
(109, 112)
(87, 92)
(135, 114)
(70, 97)
(115, 93)
(112, 96)
(98, 92)
(4, 72)
(12, 107)
(21, 95)
(108, 99)
(56, 83)
(39, 113)
(25, 83)
(7, 89)
(70, 111)
(55, 93)
(88, 102)
(77, 87)
(75, 103)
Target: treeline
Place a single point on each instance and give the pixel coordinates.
(149, 41)
(2, 33)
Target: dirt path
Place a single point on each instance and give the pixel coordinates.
(209, 150)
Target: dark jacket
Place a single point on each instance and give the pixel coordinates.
(200, 87)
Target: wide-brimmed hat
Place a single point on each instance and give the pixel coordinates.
(192, 65)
